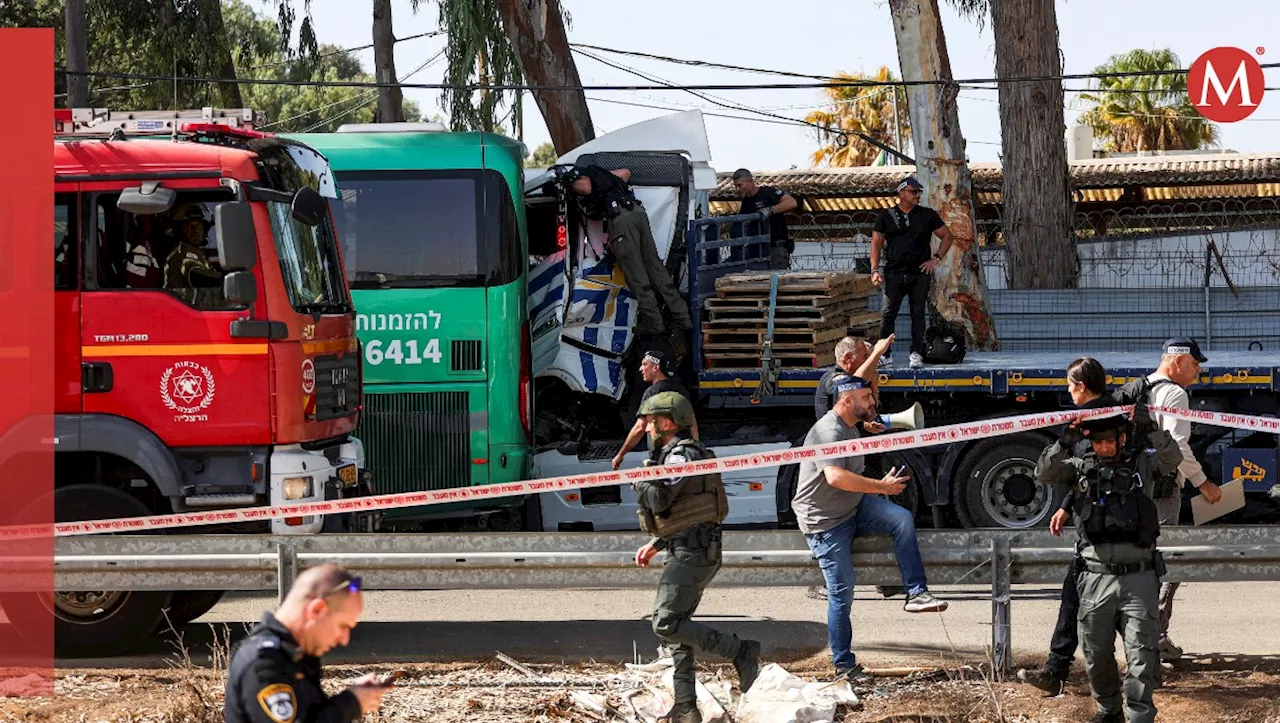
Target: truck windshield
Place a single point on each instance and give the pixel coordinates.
(308, 262)
(412, 229)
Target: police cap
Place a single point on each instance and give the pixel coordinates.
(673, 405)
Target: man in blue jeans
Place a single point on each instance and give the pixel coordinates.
(834, 504)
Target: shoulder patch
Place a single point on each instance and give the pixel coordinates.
(278, 702)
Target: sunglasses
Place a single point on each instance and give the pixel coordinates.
(353, 585)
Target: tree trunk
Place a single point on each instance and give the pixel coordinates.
(536, 31)
(959, 290)
(1038, 229)
(229, 92)
(390, 100)
(77, 55)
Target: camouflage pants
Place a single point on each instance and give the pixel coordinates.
(631, 243)
(1125, 604)
(690, 567)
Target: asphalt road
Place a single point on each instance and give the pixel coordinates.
(567, 626)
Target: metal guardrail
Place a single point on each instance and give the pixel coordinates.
(606, 560)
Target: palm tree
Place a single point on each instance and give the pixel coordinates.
(1146, 112)
(869, 110)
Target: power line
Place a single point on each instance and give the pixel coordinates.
(465, 87)
(730, 106)
(343, 51)
(702, 63)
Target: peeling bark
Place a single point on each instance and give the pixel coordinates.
(536, 31)
(959, 291)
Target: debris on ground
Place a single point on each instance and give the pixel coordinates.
(1246, 691)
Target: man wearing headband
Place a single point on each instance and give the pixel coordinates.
(275, 672)
(834, 503)
(1120, 568)
(904, 235)
(655, 370)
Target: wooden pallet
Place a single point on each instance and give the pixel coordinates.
(810, 283)
(812, 311)
(747, 360)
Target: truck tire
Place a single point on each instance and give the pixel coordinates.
(188, 605)
(997, 486)
(90, 623)
(785, 491)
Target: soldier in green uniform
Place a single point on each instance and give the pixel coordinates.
(684, 514)
(1114, 486)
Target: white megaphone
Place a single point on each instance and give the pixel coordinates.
(912, 418)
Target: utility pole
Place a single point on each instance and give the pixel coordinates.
(77, 55)
(959, 290)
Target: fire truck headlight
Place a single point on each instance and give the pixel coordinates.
(296, 488)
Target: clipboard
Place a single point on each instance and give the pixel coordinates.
(1232, 500)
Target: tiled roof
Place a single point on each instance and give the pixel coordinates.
(1195, 169)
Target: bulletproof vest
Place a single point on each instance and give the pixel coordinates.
(1113, 503)
(701, 499)
(608, 194)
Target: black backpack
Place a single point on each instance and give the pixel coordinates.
(1138, 391)
(944, 344)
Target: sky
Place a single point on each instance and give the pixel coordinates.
(808, 36)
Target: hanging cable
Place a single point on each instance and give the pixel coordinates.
(892, 151)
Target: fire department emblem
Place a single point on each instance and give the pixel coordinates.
(187, 387)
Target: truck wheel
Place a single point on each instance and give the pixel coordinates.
(997, 484)
(188, 605)
(90, 623)
(785, 491)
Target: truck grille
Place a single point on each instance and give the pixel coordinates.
(337, 386)
(417, 441)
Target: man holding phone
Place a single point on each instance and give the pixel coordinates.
(275, 673)
(834, 504)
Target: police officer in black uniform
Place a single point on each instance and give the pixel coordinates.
(606, 195)
(684, 514)
(1120, 568)
(274, 675)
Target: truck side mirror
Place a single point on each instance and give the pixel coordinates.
(237, 239)
(308, 207)
(149, 198)
(240, 288)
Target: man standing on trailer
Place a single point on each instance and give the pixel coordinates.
(903, 234)
(606, 196)
(770, 203)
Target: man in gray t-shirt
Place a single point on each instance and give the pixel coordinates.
(834, 504)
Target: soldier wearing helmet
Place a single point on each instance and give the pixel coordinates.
(684, 515)
(188, 272)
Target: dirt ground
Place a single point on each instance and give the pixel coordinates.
(1238, 690)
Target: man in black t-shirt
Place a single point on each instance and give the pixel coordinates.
(655, 369)
(770, 203)
(904, 235)
(605, 195)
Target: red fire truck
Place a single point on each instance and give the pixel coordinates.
(205, 342)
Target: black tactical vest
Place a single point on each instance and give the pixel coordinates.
(1113, 504)
(701, 500)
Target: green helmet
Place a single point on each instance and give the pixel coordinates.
(670, 404)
